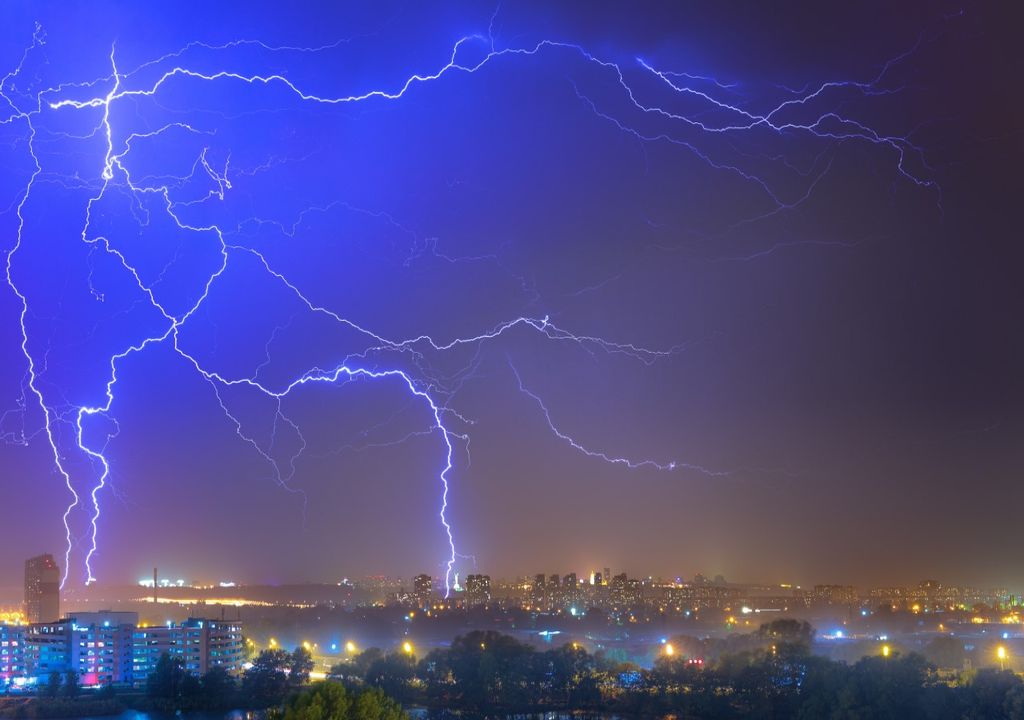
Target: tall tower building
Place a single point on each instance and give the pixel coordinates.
(42, 589)
(423, 589)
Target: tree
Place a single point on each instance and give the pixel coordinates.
(791, 638)
(323, 701)
(989, 691)
(569, 672)
(71, 685)
(392, 673)
(299, 667)
(373, 704)
(362, 662)
(436, 672)
(331, 701)
(167, 680)
(266, 682)
(217, 688)
(885, 687)
(53, 683)
(489, 668)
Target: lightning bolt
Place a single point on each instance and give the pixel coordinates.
(630, 463)
(812, 112)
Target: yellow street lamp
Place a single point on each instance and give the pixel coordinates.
(407, 647)
(669, 650)
(885, 651)
(350, 647)
(1001, 654)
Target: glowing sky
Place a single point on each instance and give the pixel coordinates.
(670, 287)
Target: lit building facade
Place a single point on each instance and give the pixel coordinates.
(101, 647)
(12, 653)
(47, 649)
(478, 588)
(423, 589)
(111, 648)
(199, 644)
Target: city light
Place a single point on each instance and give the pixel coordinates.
(669, 650)
(885, 651)
(350, 647)
(407, 647)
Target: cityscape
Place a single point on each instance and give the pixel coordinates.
(511, 360)
(630, 618)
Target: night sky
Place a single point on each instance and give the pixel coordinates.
(780, 346)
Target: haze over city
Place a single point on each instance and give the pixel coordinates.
(298, 296)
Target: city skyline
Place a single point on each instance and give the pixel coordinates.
(174, 589)
(295, 295)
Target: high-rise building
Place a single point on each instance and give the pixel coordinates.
(478, 588)
(423, 589)
(42, 589)
(539, 591)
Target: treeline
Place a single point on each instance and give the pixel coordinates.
(277, 681)
(275, 676)
(334, 701)
(772, 675)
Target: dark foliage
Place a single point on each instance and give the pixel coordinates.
(768, 674)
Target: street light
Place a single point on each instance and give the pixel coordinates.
(350, 647)
(1001, 654)
(407, 647)
(885, 651)
(669, 650)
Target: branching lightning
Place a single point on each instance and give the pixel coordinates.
(632, 464)
(808, 112)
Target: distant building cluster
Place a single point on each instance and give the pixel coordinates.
(933, 595)
(632, 599)
(105, 647)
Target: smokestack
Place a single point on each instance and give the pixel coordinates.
(154, 587)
